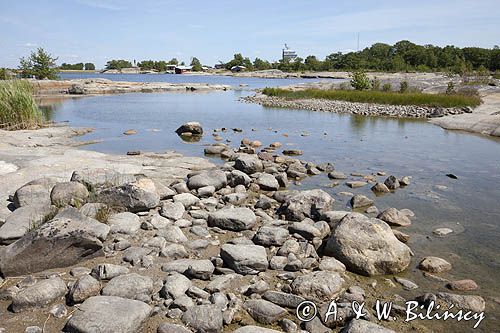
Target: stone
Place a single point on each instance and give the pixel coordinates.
(302, 204)
(306, 230)
(367, 246)
(333, 217)
(192, 127)
(318, 285)
(434, 265)
(264, 312)
(401, 236)
(58, 311)
(138, 196)
(462, 285)
(270, 236)
(100, 178)
(63, 241)
(234, 219)
(85, 287)
(93, 209)
(331, 265)
(267, 182)
(24, 219)
(356, 184)
(36, 192)
(237, 177)
(392, 183)
(68, 193)
(216, 178)
(206, 191)
(441, 232)
(171, 328)
(407, 284)
(336, 175)
(254, 329)
(200, 269)
(111, 314)
(136, 254)
(172, 210)
(108, 271)
(172, 234)
(187, 199)
(248, 164)
(380, 188)
(287, 300)
(124, 223)
(174, 251)
(394, 217)
(214, 149)
(467, 302)
(204, 318)
(175, 285)
(363, 326)
(245, 259)
(221, 282)
(405, 181)
(33, 329)
(292, 152)
(41, 294)
(132, 286)
(360, 200)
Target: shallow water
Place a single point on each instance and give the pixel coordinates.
(468, 205)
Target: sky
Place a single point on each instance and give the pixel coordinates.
(99, 30)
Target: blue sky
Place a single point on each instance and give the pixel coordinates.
(100, 30)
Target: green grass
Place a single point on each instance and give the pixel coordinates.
(379, 97)
(18, 109)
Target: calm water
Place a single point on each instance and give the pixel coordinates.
(469, 205)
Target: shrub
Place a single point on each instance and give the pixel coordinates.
(375, 84)
(387, 87)
(450, 89)
(403, 87)
(18, 109)
(5, 74)
(360, 80)
(40, 65)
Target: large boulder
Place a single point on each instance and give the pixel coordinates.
(267, 182)
(318, 285)
(367, 246)
(133, 286)
(263, 311)
(245, 259)
(124, 223)
(41, 294)
(311, 204)
(204, 318)
(35, 192)
(138, 196)
(270, 236)
(215, 178)
(363, 326)
(86, 286)
(200, 269)
(192, 127)
(108, 314)
(248, 164)
(394, 217)
(63, 241)
(172, 210)
(69, 193)
(255, 329)
(24, 219)
(100, 178)
(234, 219)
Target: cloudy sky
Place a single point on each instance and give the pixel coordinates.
(100, 30)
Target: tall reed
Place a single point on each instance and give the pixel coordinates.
(18, 109)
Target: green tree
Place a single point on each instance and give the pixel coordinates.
(260, 64)
(40, 64)
(359, 80)
(173, 61)
(118, 64)
(312, 63)
(196, 65)
(89, 66)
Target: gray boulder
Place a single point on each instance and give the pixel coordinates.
(42, 293)
(237, 177)
(108, 314)
(187, 199)
(360, 200)
(108, 271)
(133, 286)
(264, 312)
(63, 241)
(175, 285)
(270, 236)
(171, 328)
(172, 210)
(200, 269)
(245, 259)
(172, 234)
(124, 223)
(283, 299)
(216, 178)
(392, 183)
(204, 318)
(234, 219)
(394, 217)
(86, 286)
(248, 164)
(138, 196)
(311, 204)
(367, 246)
(267, 182)
(472, 303)
(363, 326)
(192, 127)
(255, 329)
(35, 192)
(24, 219)
(318, 285)
(68, 193)
(99, 178)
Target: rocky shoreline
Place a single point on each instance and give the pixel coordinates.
(166, 243)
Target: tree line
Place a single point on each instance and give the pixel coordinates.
(88, 66)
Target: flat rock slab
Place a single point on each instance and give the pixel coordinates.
(108, 314)
(41, 294)
(234, 219)
(245, 259)
(124, 223)
(133, 286)
(22, 220)
(204, 318)
(201, 269)
(263, 311)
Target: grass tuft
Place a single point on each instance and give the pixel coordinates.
(18, 109)
(379, 97)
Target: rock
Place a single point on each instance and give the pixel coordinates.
(42, 293)
(311, 204)
(172, 234)
(24, 219)
(434, 265)
(264, 312)
(172, 328)
(235, 219)
(380, 188)
(267, 182)
(216, 178)
(363, 326)
(407, 284)
(192, 127)
(69, 193)
(318, 285)
(206, 191)
(100, 178)
(237, 177)
(452, 176)
(392, 183)
(367, 246)
(401, 236)
(124, 223)
(108, 271)
(467, 302)
(172, 210)
(200, 269)
(245, 259)
(292, 152)
(405, 181)
(136, 254)
(462, 285)
(93, 210)
(372, 210)
(394, 217)
(33, 329)
(296, 171)
(441, 232)
(63, 241)
(130, 132)
(58, 311)
(334, 216)
(132, 286)
(360, 200)
(137, 196)
(248, 164)
(111, 313)
(270, 236)
(204, 318)
(331, 265)
(85, 287)
(356, 184)
(174, 251)
(187, 199)
(306, 230)
(254, 329)
(337, 175)
(36, 192)
(287, 300)
(175, 285)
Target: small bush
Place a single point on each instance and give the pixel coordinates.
(387, 87)
(450, 89)
(18, 109)
(403, 87)
(375, 84)
(360, 80)
(345, 86)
